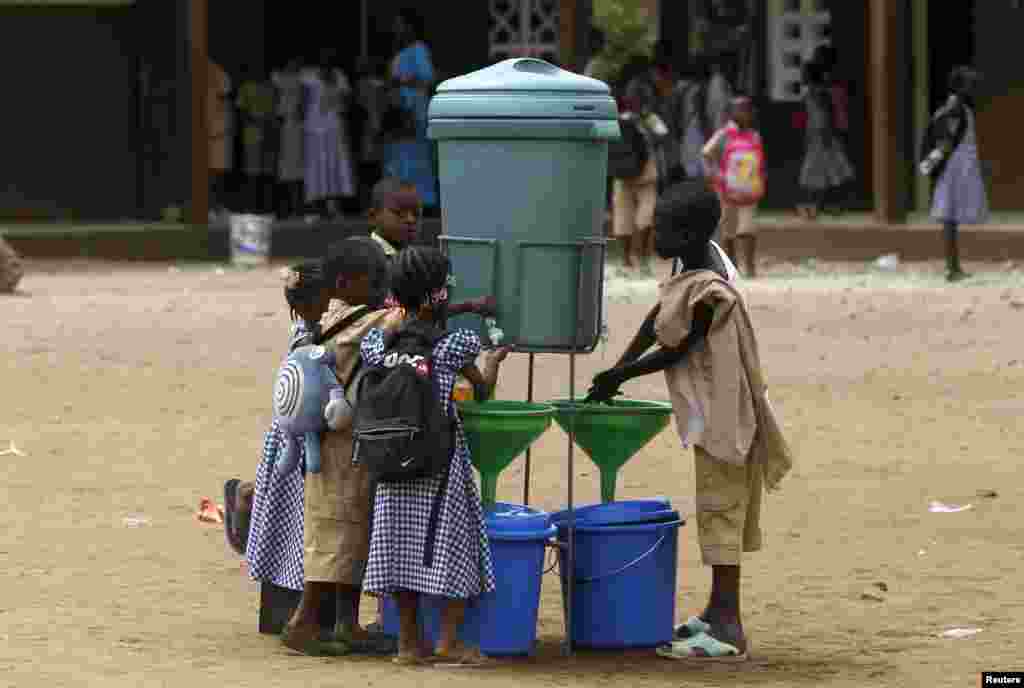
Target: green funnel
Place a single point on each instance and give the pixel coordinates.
(498, 432)
(611, 433)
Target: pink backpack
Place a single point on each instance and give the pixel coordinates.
(742, 174)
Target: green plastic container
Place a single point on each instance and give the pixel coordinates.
(523, 159)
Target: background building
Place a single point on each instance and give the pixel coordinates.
(104, 116)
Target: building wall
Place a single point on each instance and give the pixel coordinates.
(1001, 102)
(69, 136)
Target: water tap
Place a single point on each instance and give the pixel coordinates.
(494, 333)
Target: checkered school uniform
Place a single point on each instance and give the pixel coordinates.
(462, 564)
(275, 547)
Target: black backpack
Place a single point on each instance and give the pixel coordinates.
(628, 155)
(400, 430)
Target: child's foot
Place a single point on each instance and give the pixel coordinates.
(364, 642)
(307, 640)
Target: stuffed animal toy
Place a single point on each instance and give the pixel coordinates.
(308, 399)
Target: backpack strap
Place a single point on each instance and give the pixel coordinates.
(343, 324)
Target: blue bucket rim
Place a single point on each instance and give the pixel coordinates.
(597, 514)
(677, 522)
(522, 535)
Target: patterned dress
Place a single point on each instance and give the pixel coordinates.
(275, 548)
(825, 163)
(328, 161)
(462, 564)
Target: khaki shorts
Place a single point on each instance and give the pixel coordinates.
(736, 221)
(633, 202)
(728, 509)
(337, 514)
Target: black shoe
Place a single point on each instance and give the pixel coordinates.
(956, 275)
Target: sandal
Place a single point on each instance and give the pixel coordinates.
(694, 626)
(703, 648)
(408, 660)
(464, 658)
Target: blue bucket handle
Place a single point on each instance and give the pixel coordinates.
(621, 569)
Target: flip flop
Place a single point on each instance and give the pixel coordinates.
(230, 504)
(407, 660)
(693, 627)
(714, 651)
(466, 659)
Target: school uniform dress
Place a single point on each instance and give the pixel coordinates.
(328, 159)
(275, 548)
(290, 165)
(825, 163)
(462, 565)
(960, 195)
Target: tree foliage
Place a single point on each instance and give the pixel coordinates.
(629, 30)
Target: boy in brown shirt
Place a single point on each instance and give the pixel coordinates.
(337, 499)
(11, 271)
(708, 352)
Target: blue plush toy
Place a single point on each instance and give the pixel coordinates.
(308, 399)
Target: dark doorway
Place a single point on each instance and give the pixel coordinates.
(950, 43)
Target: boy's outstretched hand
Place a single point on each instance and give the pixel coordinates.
(604, 386)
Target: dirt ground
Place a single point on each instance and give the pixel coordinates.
(135, 391)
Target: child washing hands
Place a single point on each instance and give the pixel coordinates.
(461, 566)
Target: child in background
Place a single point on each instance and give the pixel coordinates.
(701, 324)
(825, 168)
(461, 567)
(951, 150)
(734, 158)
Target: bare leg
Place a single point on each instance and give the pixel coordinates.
(627, 250)
(303, 630)
(408, 626)
(750, 254)
(723, 610)
(450, 620)
(954, 272)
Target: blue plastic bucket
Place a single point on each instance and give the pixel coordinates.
(502, 622)
(625, 581)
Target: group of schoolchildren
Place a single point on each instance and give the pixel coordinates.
(341, 532)
(694, 126)
(334, 532)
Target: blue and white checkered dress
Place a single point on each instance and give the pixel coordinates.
(275, 547)
(462, 564)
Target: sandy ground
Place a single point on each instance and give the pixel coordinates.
(135, 391)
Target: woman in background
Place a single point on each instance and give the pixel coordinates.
(410, 156)
(328, 160)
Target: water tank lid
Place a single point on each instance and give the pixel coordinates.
(526, 88)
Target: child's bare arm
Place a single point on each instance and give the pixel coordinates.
(485, 377)
(643, 340)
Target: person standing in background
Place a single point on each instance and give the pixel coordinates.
(951, 161)
(290, 160)
(259, 137)
(329, 174)
(825, 168)
(595, 69)
(220, 122)
(410, 155)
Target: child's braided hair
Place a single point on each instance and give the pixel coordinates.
(303, 282)
(418, 276)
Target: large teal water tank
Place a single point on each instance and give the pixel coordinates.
(523, 158)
